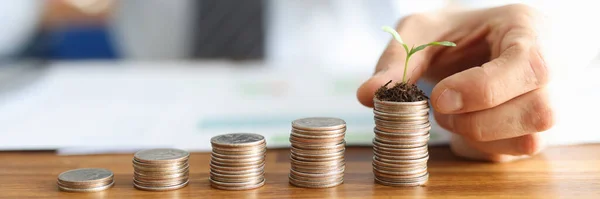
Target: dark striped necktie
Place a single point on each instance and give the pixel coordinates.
(230, 29)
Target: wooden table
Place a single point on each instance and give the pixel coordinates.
(563, 172)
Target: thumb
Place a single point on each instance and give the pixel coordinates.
(391, 67)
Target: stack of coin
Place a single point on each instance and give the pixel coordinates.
(400, 143)
(85, 180)
(160, 169)
(237, 161)
(317, 152)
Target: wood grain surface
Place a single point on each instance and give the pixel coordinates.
(560, 172)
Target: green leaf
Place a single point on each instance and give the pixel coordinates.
(437, 43)
(393, 32)
(396, 36)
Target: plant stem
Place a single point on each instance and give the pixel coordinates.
(405, 68)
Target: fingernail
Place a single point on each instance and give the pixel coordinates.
(449, 101)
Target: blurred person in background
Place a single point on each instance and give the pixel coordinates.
(492, 91)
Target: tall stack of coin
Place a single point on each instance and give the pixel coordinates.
(237, 161)
(400, 143)
(317, 152)
(85, 180)
(160, 169)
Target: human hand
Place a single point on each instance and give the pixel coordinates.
(490, 89)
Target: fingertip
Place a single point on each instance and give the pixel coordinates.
(444, 99)
(530, 144)
(363, 96)
(366, 92)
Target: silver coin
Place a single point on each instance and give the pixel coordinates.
(422, 177)
(400, 122)
(235, 180)
(397, 178)
(162, 183)
(168, 188)
(380, 151)
(315, 185)
(377, 142)
(400, 116)
(84, 186)
(85, 175)
(318, 175)
(317, 179)
(317, 151)
(237, 140)
(398, 165)
(397, 169)
(411, 128)
(304, 146)
(416, 170)
(399, 109)
(232, 160)
(309, 136)
(317, 133)
(320, 170)
(161, 155)
(162, 165)
(402, 133)
(242, 172)
(238, 156)
(94, 189)
(315, 159)
(236, 164)
(317, 156)
(401, 157)
(161, 169)
(321, 141)
(237, 176)
(239, 150)
(390, 103)
(407, 142)
(237, 184)
(419, 149)
(407, 131)
(403, 140)
(236, 168)
(393, 161)
(319, 123)
(144, 176)
(160, 172)
(315, 145)
(401, 184)
(316, 164)
(254, 186)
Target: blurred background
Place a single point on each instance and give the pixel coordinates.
(86, 76)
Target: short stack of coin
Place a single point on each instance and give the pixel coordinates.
(161, 169)
(85, 180)
(400, 143)
(237, 161)
(317, 152)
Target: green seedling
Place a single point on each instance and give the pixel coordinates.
(413, 50)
